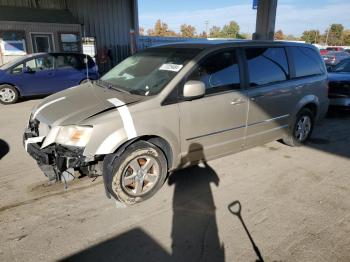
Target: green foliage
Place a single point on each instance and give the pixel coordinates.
(336, 34)
(311, 36)
(215, 32)
(279, 35)
(188, 31)
(231, 30)
(161, 29)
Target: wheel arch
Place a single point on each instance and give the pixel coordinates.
(158, 141)
(155, 140)
(10, 84)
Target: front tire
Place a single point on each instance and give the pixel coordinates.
(138, 173)
(302, 129)
(8, 94)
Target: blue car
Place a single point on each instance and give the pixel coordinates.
(339, 84)
(43, 74)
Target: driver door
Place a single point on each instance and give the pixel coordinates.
(214, 125)
(39, 78)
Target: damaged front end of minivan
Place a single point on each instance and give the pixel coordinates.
(59, 151)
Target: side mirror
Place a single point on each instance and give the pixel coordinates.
(193, 89)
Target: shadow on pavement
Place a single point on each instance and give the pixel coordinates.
(194, 231)
(134, 245)
(4, 148)
(332, 134)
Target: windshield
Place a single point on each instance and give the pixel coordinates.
(343, 66)
(148, 72)
(12, 63)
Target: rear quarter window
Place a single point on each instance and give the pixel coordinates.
(307, 62)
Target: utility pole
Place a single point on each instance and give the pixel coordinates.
(265, 20)
(206, 26)
(327, 35)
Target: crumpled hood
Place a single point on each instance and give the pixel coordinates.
(76, 104)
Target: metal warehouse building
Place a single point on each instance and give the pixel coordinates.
(107, 29)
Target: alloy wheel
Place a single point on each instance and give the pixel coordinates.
(140, 175)
(303, 128)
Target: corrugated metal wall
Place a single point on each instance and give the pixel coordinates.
(59, 4)
(109, 21)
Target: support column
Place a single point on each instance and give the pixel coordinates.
(265, 20)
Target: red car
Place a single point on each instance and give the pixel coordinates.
(323, 51)
(335, 48)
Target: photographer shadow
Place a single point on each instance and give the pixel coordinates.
(194, 228)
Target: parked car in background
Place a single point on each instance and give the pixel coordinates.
(335, 48)
(323, 51)
(44, 73)
(332, 58)
(172, 106)
(347, 50)
(339, 84)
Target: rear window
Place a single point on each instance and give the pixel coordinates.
(306, 62)
(68, 61)
(267, 65)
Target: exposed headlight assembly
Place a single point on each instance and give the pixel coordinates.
(74, 135)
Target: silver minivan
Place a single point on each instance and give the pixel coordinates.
(172, 106)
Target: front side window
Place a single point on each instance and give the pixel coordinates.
(306, 62)
(40, 63)
(219, 72)
(148, 72)
(266, 65)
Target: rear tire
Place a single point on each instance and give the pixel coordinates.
(8, 94)
(301, 130)
(84, 81)
(138, 173)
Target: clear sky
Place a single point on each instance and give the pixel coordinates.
(293, 16)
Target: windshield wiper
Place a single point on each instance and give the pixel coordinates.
(108, 85)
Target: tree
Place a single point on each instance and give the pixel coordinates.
(203, 35)
(244, 36)
(231, 30)
(346, 37)
(291, 37)
(335, 34)
(160, 29)
(187, 30)
(311, 36)
(279, 35)
(215, 32)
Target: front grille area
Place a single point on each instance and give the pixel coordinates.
(339, 89)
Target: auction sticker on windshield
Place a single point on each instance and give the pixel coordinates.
(171, 67)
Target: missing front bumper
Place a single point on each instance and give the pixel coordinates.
(54, 160)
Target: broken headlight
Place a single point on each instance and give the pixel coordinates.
(74, 135)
